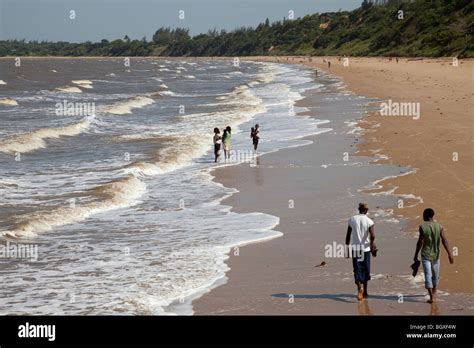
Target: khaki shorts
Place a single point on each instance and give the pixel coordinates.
(227, 147)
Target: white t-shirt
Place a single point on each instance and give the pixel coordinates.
(360, 225)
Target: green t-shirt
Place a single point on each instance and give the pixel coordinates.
(431, 240)
(226, 138)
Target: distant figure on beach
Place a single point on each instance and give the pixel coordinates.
(329, 64)
(431, 234)
(396, 59)
(362, 246)
(226, 141)
(255, 135)
(217, 144)
(316, 72)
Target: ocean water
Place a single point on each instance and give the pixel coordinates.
(106, 169)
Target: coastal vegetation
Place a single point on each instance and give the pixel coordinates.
(429, 28)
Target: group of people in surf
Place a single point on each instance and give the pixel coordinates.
(224, 140)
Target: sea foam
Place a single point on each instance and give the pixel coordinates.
(26, 142)
(126, 106)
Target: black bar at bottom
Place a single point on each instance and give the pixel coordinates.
(287, 330)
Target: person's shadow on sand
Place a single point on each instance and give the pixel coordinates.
(350, 298)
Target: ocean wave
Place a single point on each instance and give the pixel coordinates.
(262, 78)
(246, 105)
(83, 83)
(115, 194)
(240, 95)
(26, 142)
(181, 151)
(126, 106)
(375, 185)
(8, 184)
(241, 105)
(167, 93)
(153, 136)
(69, 89)
(192, 266)
(8, 102)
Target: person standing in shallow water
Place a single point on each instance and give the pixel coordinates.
(226, 136)
(431, 234)
(217, 144)
(255, 135)
(362, 246)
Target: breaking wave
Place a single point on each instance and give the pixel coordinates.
(69, 89)
(116, 194)
(8, 101)
(126, 106)
(26, 142)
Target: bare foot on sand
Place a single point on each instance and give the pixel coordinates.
(360, 294)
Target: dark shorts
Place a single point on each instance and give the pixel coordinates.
(361, 268)
(217, 149)
(255, 141)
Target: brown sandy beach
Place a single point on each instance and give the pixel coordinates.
(279, 277)
(430, 144)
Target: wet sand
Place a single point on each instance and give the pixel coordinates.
(279, 277)
(439, 144)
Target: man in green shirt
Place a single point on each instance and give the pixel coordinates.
(431, 234)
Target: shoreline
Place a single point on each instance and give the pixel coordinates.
(365, 76)
(365, 130)
(361, 149)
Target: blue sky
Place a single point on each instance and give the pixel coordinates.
(112, 19)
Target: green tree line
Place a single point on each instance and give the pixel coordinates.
(428, 28)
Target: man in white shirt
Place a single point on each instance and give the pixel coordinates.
(363, 235)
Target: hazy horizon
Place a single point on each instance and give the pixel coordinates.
(49, 20)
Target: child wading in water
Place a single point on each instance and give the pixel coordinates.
(217, 144)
